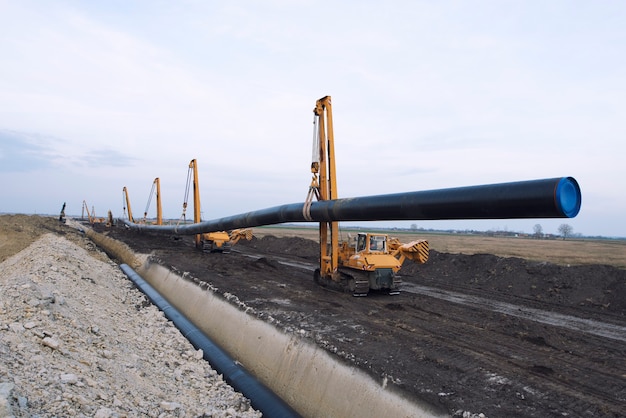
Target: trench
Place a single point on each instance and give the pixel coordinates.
(303, 375)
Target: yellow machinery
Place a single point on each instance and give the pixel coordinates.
(220, 241)
(372, 261)
(126, 203)
(156, 186)
(91, 216)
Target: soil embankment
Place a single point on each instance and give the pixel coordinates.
(461, 356)
(479, 333)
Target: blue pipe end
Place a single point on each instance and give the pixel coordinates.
(568, 197)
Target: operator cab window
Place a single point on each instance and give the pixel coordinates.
(377, 243)
(360, 245)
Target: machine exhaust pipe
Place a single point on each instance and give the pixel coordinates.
(546, 198)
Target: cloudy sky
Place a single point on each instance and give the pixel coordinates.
(95, 96)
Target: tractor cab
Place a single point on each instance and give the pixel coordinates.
(371, 243)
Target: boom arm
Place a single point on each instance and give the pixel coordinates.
(158, 199)
(126, 201)
(85, 208)
(155, 185)
(192, 177)
(324, 183)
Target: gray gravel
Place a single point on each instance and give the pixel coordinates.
(77, 339)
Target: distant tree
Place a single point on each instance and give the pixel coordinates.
(538, 230)
(565, 230)
(413, 227)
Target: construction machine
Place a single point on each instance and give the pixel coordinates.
(220, 241)
(62, 215)
(372, 260)
(91, 216)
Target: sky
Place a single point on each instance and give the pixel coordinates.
(97, 96)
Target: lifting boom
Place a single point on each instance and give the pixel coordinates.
(126, 204)
(324, 182)
(156, 185)
(91, 216)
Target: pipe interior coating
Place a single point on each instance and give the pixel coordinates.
(546, 198)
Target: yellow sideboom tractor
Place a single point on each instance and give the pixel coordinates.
(219, 241)
(372, 260)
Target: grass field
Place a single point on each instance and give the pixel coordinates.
(574, 251)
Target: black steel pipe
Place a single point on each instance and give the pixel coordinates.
(261, 397)
(546, 198)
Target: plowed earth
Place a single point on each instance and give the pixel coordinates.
(499, 336)
(479, 333)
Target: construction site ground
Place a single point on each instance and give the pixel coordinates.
(468, 333)
(479, 333)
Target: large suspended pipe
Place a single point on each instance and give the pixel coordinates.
(261, 397)
(545, 198)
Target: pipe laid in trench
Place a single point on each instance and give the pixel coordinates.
(261, 397)
(546, 198)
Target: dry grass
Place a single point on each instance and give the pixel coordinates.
(578, 251)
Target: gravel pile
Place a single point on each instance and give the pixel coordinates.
(77, 339)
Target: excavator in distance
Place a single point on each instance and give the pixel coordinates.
(62, 215)
(372, 260)
(220, 241)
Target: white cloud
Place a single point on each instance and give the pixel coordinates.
(442, 94)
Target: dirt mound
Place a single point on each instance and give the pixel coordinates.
(446, 338)
(19, 231)
(294, 246)
(592, 287)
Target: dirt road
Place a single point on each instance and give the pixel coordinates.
(503, 337)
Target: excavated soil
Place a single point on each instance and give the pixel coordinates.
(468, 334)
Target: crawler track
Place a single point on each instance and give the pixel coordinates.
(460, 356)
